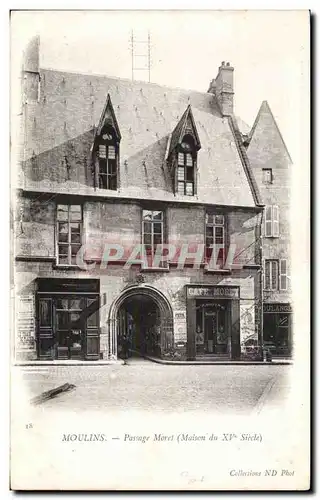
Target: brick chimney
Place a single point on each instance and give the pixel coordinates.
(222, 87)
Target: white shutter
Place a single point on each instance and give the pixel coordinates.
(275, 221)
(102, 151)
(283, 274)
(268, 221)
(274, 275)
(267, 280)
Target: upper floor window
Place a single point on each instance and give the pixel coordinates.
(215, 236)
(108, 159)
(271, 219)
(186, 167)
(153, 239)
(69, 232)
(271, 275)
(275, 274)
(152, 230)
(267, 175)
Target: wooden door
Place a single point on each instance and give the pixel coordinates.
(69, 324)
(46, 346)
(92, 333)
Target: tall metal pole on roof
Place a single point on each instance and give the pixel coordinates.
(140, 55)
(149, 62)
(132, 55)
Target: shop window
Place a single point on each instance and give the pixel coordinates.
(69, 233)
(267, 177)
(276, 334)
(186, 167)
(271, 221)
(215, 237)
(108, 155)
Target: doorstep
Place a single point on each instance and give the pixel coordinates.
(68, 362)
(222, 362)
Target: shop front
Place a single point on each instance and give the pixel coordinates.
(68, 319)
(213, 322)
(277, 326)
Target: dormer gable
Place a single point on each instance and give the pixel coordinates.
(108, 120)
(184, 144)
(185, 127)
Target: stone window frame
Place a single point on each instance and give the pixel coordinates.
(265, 179)
(69, 244)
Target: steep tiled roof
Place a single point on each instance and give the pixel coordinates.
(265, 118)
(61, 128)
(243, 153)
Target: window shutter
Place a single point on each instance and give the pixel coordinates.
(268, 222)
(275, 218)
(267, 282)
(274, 275)
(111, 153)
(102, 151)
(283, 274)
(180, 159)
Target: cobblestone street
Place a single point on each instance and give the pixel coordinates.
(144, 385)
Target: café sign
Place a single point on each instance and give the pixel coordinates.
(217, 292)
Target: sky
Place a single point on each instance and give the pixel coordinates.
(269, 51)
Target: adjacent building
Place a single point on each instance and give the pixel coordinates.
(138, 212)
(272, 165)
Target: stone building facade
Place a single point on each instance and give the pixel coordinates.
(272, 166)
(137, 213)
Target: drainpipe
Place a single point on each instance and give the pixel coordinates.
(261, 286)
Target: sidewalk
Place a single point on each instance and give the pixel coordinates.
(277, 361)
(68, 362)
(222, 362)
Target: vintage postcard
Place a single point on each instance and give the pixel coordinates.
(160, 250)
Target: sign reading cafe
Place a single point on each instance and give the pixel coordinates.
(221, 292)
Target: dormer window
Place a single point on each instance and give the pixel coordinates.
(105, 157)
(183, 146)
(107, 154)
(186, 167)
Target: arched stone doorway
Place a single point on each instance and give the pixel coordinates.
(146, 314)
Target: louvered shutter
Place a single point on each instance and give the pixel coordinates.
(267, 280)
(274, 275)
(268, 222)
(283, 274)
(275, 221)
